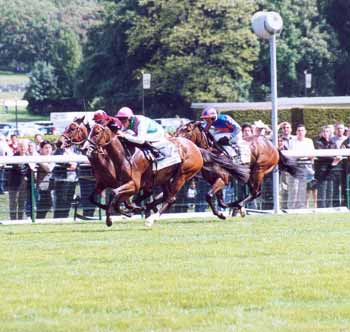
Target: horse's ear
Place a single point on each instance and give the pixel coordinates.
(79, 120)
(87, 125)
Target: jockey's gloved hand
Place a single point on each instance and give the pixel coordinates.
(153, 149)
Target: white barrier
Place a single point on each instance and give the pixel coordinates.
(318, 153)
(83, 159)
(78, 158)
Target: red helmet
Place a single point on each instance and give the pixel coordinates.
(125, 112)
(100, 115)
(209, 113)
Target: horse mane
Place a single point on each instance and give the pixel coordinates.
(238, 171)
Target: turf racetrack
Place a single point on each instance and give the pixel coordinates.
(263, 273)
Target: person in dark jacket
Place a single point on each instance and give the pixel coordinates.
(323, 169)
(65, 180)
(18, 182)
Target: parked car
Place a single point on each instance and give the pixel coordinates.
(5, 128)
(171, 124)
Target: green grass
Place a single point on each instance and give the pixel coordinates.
(264, 273)
(13, 78)
(23, 115)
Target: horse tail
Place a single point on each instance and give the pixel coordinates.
(238, 171)
(288, 164)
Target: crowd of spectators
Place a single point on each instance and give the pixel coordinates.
(320, 184)
(323, 180)
(54, 184)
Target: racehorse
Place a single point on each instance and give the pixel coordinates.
(104, 171)
(264, 158)
(135, 170)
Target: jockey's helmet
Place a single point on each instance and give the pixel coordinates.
(100, 115)
(209, 113)
(125, 112)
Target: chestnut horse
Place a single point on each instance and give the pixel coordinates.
(135, 171)
(104, 171)
(264, 158)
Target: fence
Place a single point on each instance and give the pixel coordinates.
(61, 195)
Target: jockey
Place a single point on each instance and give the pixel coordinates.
(142, 128)
(227, 133)
(102, 118)
(224, 129)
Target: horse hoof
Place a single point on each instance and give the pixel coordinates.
(109, 222)
(149, 222)
(243, 212)
(221, 216)
(234, 212)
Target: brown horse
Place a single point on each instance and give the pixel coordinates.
(135, 171)
(104, 171)
(264, 158)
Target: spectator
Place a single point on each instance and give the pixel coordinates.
(323, 167)
(33, 166)
(339, 136)
(18, 182)
(5, 150)
(44, 184)
(13, 144)
(259, 128)
(38, 138)
(191, 194)
(87, 186)
(286, 133)
(65, 180)
(247, 130)
(297, 185)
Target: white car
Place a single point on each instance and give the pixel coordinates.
(171, 124)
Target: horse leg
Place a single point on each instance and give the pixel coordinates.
(220, 199)
(95, 202)
(216, 188)
(109, 210)
(122, 194)
(254, 192)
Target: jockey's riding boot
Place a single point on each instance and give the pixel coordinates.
(238, 151)
(148, 146)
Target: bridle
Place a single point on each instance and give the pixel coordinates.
(94, 146)
(68, 140)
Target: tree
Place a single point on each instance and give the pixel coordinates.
(29, 29)
(307, 42)
(337, 13)
(195, 50)
(42, 82)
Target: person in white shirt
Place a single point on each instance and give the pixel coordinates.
(339, 136)
(297, 186)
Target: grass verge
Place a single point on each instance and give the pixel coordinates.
(265, 273)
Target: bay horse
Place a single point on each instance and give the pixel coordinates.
(264, 158)
(76, 133)
(135, 172)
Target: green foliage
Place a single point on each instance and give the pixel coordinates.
(313, 118)
(66, 59)
(42, 82)
(307, 42)
(198, 50)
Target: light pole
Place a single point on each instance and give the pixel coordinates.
(308, 79)
(267, 25)
(146, 84)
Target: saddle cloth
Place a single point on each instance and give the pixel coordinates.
(168, 156)
(243, 155)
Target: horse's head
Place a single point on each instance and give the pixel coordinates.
(75, 133)
(186, 131)
(99, 137)
(194, 132)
